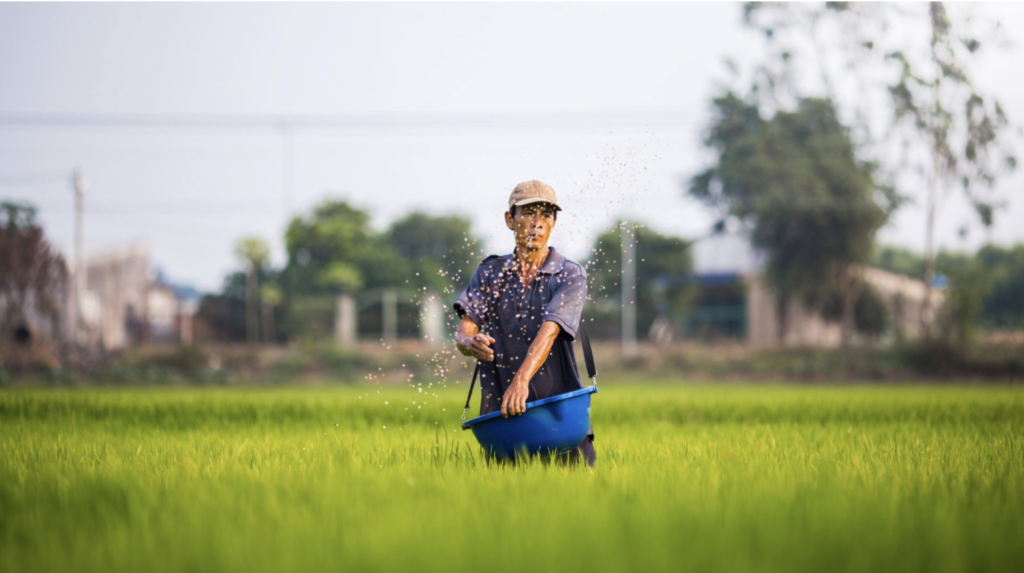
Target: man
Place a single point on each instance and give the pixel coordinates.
(520, 313)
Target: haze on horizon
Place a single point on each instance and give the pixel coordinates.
(449, 106)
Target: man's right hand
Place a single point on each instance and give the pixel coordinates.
(478, 345)
(471, 342)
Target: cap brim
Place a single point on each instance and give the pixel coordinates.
(532, 200)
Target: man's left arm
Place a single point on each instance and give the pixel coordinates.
(514, 402)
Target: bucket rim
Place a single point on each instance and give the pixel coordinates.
(588, 390)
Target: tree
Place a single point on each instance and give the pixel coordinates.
(1004, 307)
(270, 299)
(664, 268)
(33, 277)
(440, 251)
(807, 202)
(225, 313)
(995, 272)
(970, 284)
(335, 250)
(254, 253)
(898, 260)
(956, 135)
(870, 315)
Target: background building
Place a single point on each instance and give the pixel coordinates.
(126, 303)
(733, 301)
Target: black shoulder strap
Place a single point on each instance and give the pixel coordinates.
(476, 371)
(588, 357)
(588, 353)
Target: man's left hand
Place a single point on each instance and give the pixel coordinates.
(514, 401)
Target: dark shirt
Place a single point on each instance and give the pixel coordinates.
(498, 302)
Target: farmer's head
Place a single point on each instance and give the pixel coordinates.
(532, 213)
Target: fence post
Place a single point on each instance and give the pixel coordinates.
(187, 312)
(431, 320)
(345, 321)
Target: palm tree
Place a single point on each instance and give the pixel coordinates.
(254, 253)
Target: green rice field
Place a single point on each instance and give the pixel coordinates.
(688, 478)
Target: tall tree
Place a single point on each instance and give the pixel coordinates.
(270, 299)
(254, 253)
(939, 124)
(807, 201)
(33, 276)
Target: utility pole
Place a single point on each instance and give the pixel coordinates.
(933, 183)
(628, 292)
(79, 284)
(929, 244)
(287, 168)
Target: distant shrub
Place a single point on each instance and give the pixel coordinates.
(943, 357)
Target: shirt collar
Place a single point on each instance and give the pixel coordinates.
(552, 265)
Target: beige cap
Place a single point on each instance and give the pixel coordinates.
(532, 191)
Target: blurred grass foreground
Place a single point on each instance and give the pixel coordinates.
(372, 478)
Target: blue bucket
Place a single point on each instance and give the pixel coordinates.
(552, 425)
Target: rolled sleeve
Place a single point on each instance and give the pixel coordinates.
(464, 309)
(566, 306)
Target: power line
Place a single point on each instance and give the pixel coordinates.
(35, 178)
(654, 119)
(213, 211)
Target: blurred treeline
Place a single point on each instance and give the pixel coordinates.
(335, 250)
(438, 253)
(990, 282)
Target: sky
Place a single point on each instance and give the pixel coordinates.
(438, 107)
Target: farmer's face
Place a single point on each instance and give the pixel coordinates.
(532, 225)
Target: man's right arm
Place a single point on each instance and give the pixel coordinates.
(471, 342)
